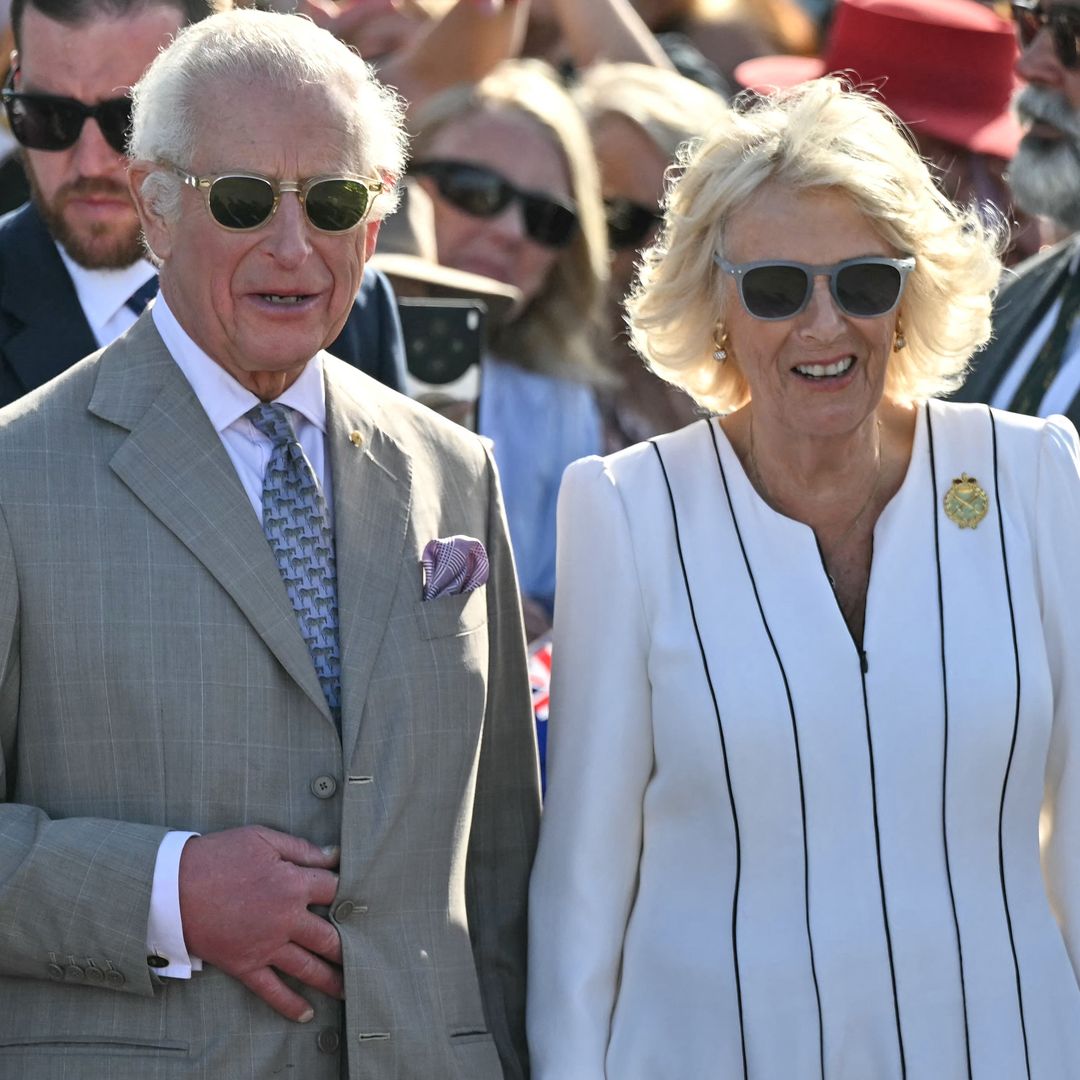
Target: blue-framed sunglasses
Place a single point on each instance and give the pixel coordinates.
(863, 288)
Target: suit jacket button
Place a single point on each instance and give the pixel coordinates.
(114, 977)
(56, 972)
(328, 1041)
(74, 972)
(343, 910)
(323, 787)
(95, 975)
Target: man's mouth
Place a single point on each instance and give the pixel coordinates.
(826, 371)
(283, 299)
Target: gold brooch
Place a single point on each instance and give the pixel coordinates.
(355, 438)
(966, 502)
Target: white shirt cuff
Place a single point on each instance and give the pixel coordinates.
(164, 930)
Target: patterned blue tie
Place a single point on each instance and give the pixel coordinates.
(296, 525)
(142, 296)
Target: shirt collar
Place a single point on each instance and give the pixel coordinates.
(102, 293)
(223, 399)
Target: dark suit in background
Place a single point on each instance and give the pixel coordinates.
(43, 330)
(1023, 301)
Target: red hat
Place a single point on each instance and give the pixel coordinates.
(947, 67)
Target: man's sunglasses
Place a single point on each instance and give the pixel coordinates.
(49, 122)
(862, 288)
(243, 201)
(1063, 22)
(483, 193)
(629, 223)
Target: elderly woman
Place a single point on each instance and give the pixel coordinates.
(815, 657)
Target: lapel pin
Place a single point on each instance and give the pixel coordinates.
(966, 502)
(355, 437)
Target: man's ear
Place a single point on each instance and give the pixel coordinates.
(371, 234)
(156, 230)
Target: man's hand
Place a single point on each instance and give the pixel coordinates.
(244, 897)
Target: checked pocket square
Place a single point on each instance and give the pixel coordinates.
(456, 564)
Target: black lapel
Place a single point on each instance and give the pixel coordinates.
(43, 330)
(1023, 301)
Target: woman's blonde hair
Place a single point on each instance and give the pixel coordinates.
(825, 136)
(668, 107)
(556, 332)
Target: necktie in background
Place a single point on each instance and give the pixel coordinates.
(1051, 356)
(296, 525)
(142, 296)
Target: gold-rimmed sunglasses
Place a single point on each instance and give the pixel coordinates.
(241, 202)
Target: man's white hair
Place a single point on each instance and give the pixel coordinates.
(247, 47)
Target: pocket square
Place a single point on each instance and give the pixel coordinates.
(456, 564)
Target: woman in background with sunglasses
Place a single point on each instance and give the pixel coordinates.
(514, 184)
(638, 117)
(815, 658)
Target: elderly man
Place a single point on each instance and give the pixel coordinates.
(1033, 363)
(72, 275)
(267, 748)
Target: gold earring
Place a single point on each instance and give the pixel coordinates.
(720, 352)
(901, 341)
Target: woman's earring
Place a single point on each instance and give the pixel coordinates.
(901, 341)
(721, 343)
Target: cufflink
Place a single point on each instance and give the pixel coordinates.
(155, 961)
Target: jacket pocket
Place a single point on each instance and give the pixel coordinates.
(453, 616)
(476, 1056)
(90, 1044)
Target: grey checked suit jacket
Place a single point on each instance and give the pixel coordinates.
(154, 677)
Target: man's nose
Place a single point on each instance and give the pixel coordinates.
(93, 155)
(288, 233)
(1039, 62)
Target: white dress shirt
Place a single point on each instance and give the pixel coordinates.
(226, 402)
(103, 295)
(1066, 385)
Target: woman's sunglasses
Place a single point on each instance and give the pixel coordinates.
(1063, 22)
(862, 288)
(483, 193)
(629, 223)
(49, 122)
(243, 201)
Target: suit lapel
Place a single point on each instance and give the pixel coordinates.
(174, 462)
(1018, 312)
(40, 300)
(372, 486)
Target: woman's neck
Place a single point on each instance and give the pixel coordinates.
(827, 483)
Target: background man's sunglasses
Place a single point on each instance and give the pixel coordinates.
(48, 122)
(1063, 22)
(243, 201)
(863, 288)
(483, 193)
(629, 223)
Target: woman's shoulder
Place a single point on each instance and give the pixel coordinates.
(1017, 442)
(640, 463)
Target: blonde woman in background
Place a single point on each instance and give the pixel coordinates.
(513, 180)
(815, 657)
(638, 116)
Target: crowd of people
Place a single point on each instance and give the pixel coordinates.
(752, 448)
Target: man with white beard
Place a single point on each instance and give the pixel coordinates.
(1033, 363)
